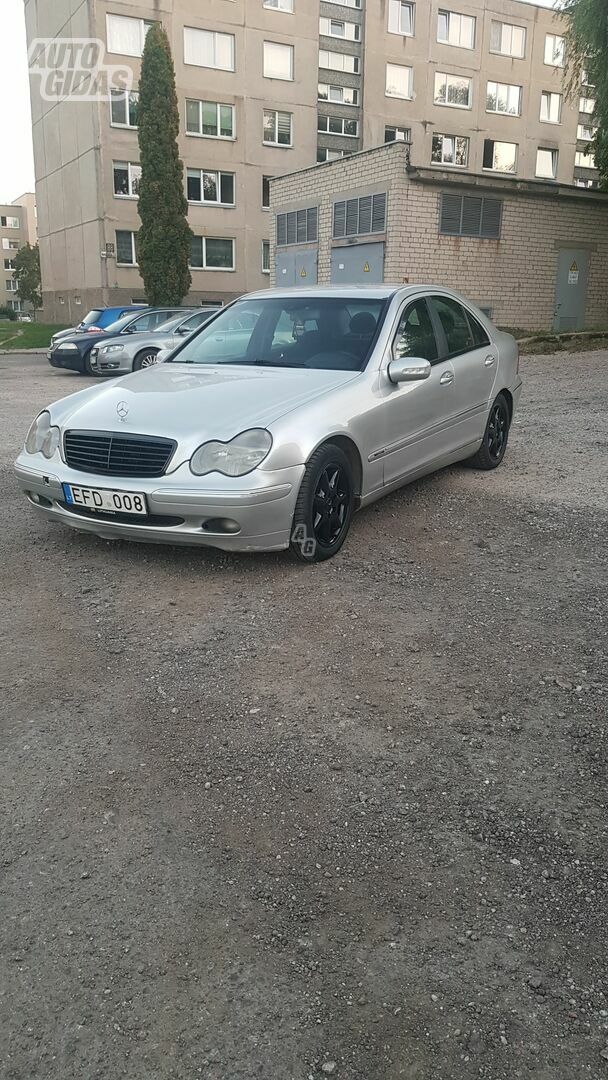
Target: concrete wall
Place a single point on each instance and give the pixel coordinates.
(515, 276)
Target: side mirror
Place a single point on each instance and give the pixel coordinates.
(162, 355)
(408, 369)
(182, 331)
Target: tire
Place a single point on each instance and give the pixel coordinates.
(145, 359)
(495, 438)
(318, 532)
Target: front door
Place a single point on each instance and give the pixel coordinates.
(571, 289)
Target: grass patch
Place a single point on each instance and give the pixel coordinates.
(16, 335)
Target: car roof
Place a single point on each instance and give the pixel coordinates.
(363, 292)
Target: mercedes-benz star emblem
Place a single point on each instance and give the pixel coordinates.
(123, 410)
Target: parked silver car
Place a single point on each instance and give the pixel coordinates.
(269, 426)
(120, 355)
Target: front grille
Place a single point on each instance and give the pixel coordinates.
(113, 454)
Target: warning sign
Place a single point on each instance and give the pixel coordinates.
(573, 274)
(302, 272)
(366, 268)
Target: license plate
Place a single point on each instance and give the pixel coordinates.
(116, 502)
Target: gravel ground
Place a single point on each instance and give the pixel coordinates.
(268, 820)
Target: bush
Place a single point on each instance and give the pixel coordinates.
(8, 313)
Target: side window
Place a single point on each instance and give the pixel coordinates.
(455, 324)
(480, 336)
(415, 335)
(146, 322)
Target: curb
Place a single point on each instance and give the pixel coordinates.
(24, 352)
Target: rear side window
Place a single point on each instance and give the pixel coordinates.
(456, 328)
(480, 336)
(415, 335)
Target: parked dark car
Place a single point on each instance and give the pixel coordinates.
(74, 352)
(98, 319)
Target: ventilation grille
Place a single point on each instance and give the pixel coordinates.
(113, 454)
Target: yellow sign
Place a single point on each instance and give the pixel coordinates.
(573, 268)
(303, 272)
(366, 268)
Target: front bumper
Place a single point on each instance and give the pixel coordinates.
(72, 361)
(260, 505)
(112, 364)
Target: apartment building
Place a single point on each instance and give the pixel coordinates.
(267, 87)
(17, 227)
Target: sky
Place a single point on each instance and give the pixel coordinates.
(16, 160)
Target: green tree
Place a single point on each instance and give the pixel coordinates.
(163, 244)
(27, 276)
(587, 50)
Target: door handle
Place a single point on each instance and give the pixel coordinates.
(447, 377)
(489, 360)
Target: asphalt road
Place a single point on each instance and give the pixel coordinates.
(266, 820)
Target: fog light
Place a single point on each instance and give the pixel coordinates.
(221, 525)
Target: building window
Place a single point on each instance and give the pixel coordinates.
(504, 98)
(334, 61)
(546, 164)
(456, 29)
(278, 61)
(470, 215)
(359, 217)
(278, 128)
(279, 5)
(340, 28)
(9, 264)
(507, 39)
(554, 50)
(585, 133)
(11, 285)
(348, 3)
(325, 154)
(499, 156)
(15, 305)
(399, 81)
(584, 159)
(338, 95)
(208, 48)
(338, 125)
(550, 107)
(9, 222)
(298, 227)
(453, 90)
(397, 134)
(579, 182)
(586, 105)
(450, 150)
(124, 107)
(215, 188)
(210, 119)
(126, 179)
(10, 245)
(126, 251)
(211, 253)
(266, 192)
(125, 35)
(401, 17)
(265, 256)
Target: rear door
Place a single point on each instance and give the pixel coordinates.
(466, 343)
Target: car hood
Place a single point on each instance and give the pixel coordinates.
(194, 403)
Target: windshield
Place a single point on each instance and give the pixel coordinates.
(91, 317)
(335, 333)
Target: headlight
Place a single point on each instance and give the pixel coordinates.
(111, 348)
(42, 438)
(72, 348)
(241, 455)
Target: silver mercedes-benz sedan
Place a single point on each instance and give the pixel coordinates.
(120, 355)
(284, 414)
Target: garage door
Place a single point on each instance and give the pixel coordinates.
(296, 266)
(360, 264)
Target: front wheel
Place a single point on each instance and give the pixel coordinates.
(146, 358)
(88, 370)
(325, 506)
(494, 445)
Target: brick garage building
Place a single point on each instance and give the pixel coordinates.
(534, 254)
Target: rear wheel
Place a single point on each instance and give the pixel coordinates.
(144, 359)
(496, 435)
(325, 506)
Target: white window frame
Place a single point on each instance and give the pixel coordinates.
(217, 174)
(554, 160)
(271, 48)
(589, 163)
(548, 96)
(457, 18)
(352, 31)
(139, 29)
(586, 105)
(280, 5)
(9, 245)
(506, 31)
(493, 168)
(553, 51)
(356, 4)
(215, 36)
(126, 96)
(9, 264)
(133, 251)
(504, 87)
(585, 133)
(134, 176)
(343, 120)
(11, 222)
(396, 9)
(277, 113)
(388, 83)
(454, 139)
(215, 269)
(265, 256)
(11, 285)
(339, 62)
(338, 94)
(200, 134)
(327, 153)
(446, 76)
(406, 135)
